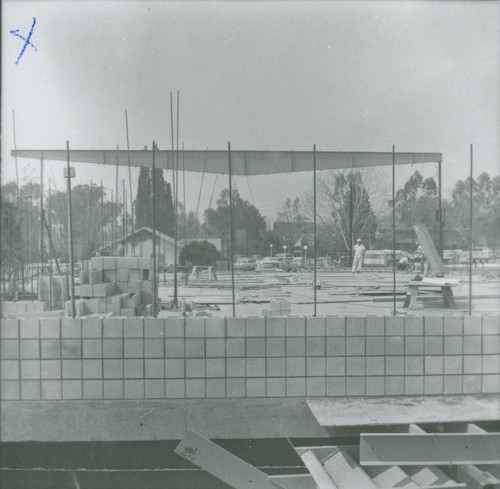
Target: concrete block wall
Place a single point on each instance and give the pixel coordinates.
(177, 358)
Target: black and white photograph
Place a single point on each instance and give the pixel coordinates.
(250, 244)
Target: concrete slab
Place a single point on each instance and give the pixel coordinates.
(156, 420)
(345, 412)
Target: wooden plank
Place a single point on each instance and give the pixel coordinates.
(346, 473)
(430, 251)
(429, 449)
(297, 481)
(222, 464)
(388, 477)
(317, 471)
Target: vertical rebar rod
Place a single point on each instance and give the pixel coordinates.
(70, 239)
(440, 212)
(102, 216)
(154, 234)
(124, 214)
(90, 221)
(184, 194)
(394, 228)
(130, 179)
(41, 214)
(351, 219)
(470, 228)
(176, 292)
(315, 231)
(113, 223)
(231, 232)
(116, 202)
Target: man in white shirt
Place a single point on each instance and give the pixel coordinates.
(359, 256)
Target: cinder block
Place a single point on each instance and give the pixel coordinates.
(145, 263)
(195, 368)
(433, 384)
(93, 389)
(491, 384)
(491, 344)
(275, 347)
(122, 274)
(394, 326)
(335, 366)
(113, 389)
(127, 312)
(256, 367)
(51, 390)
(335, 346)
(71, 348)
(215, 367)
(316, 366)
(92, 348)
(10, 390)
(434, 365)
(296, 387)
(472, 325)
(51, 349)
(491, 364)
(133, 328)
(472, 364)
(355, 346)
(134, 389)
(472, 384)
(154, 348)
(235, 347)
(109, 262)
(375, 386)
(452, 384)
(72, 389)
(235, 327)
(9, 349)
(121, 287)
(195, 348)
(30, 390)
(214, 327)
(295, 326)
(275, 305)
(453, 325)
(175, 389)
(394, 345)
(414, 385)
(296, 367)
(256, 347)
(414, 365)
(316, 346)
(375, 366)
(235, 388)
(215, 347)
(91, 306)
(375, 345)
(97, 262)
(275, 387)
(71, 369)
(96, 277)
(9, 329)
(316, 326)
(394, 385)
(491, 325)
(28, 349)
(316, 386)
(394, 365)
(30, 369)
(453, 365)
(433, 345)
(29, 328)
(50, 369)
(135, 276)
(134, 286)
(147, 286)
(106, 289)
(174, 348)
(335, 386)
(414, 326)
(195, 388)
(133, 369)
(355, 386)
(276, 326)
(92, 369)
(433, 325)
(472, 344)
(375, 326)
(113, 369)
(154, 368)
(216, 388)
(355, 326)
(235, 367)
(453, 345)
(295, 347)
(255, 326)
(154, 328)
(275, 367)
(414, 345)
(86, 290)
(112, 348)
(84, 277)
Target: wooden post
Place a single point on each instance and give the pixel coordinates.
(231, 224)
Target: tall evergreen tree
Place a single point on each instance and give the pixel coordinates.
(144, 203)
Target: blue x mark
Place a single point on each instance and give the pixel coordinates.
(26, 40)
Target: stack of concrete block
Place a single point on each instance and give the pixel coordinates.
(116, 286)
(59, 286)
(278, 307)
(23, 308)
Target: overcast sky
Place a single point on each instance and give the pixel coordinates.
(351, 76)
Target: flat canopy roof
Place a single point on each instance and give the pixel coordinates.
(243, 162)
